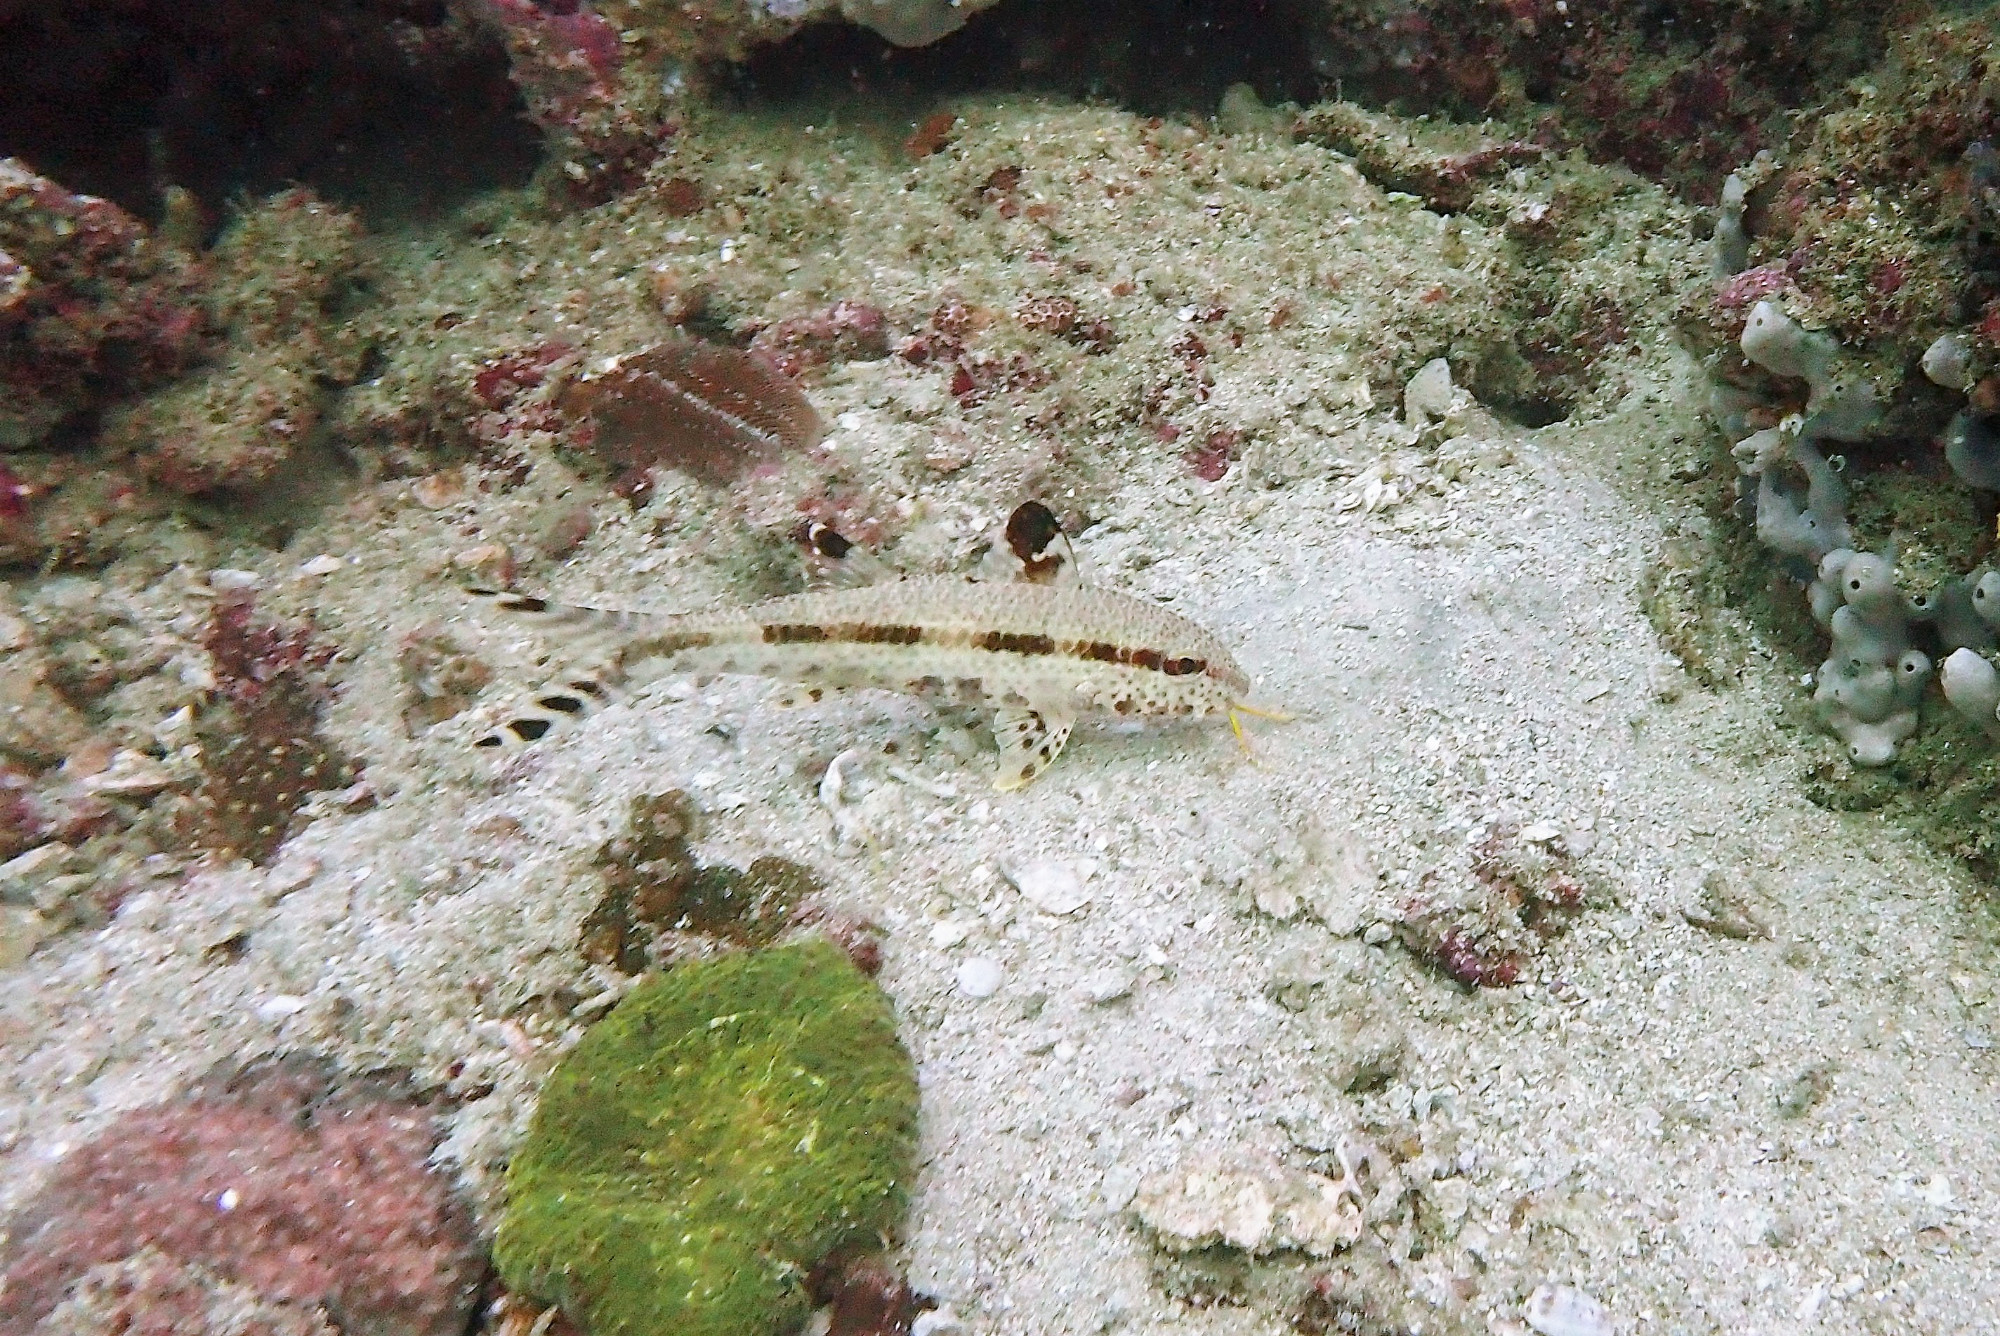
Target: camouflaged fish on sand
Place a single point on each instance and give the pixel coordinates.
(1038, 651)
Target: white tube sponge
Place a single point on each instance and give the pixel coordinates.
(1783, 347)
(1842, 409)
(1868, 584)
(1814, 531)
(1913, 671)
(1865, 692)
(1950, 608)
(1973, 687)
(1860, 638)
(1948, 362)
(1972, 448)
(1986, 599)
(1875, 744)
(1761, 449)
(1872, 680)
(1730, 244)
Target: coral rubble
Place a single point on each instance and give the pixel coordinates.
(284, 270)
(660, 902)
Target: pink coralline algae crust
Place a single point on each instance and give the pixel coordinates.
(1736, 294)
(1211, 459)
(149, 1294)
(91, 306)
(865, 1296)
(845, 331)
(566, 58)
(23, 823)
(14, 496)
(250, 653)
(277, 1179)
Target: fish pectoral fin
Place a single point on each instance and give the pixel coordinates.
(1030, 740)
(835, 562)
(569, 697)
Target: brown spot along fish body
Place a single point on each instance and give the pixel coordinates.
(1070, 647)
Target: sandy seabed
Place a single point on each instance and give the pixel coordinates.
(1784, 1130)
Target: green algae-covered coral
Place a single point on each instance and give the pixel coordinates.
(721, 1130)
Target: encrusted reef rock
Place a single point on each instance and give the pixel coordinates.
(1876, 218)
(1678, 93)
(604, 87)
(288, 267)
(725, 1128)
(91, 305)
(279, 1186)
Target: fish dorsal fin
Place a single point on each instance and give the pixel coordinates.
(1032, 550)
(587, 635)
(1030, 740)
(1036, 540)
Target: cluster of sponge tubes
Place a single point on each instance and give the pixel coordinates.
(1872, 682)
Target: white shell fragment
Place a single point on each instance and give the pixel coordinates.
(1561, 1310)
(1107, 986)
(1430, 393)
(1250, 1202)
(979, 977)
(1049, 884)
(940, 1321)
(130, 772)
(1277, 901)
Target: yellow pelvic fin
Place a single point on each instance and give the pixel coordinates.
(1237, 709)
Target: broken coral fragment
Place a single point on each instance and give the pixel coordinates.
(1250, 1202)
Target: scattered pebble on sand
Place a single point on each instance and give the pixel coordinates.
(1050, 884)
(980, 977)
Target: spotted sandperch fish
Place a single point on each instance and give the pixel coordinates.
(1038, 651)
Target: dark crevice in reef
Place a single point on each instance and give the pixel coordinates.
(1154, 59)
(395, 107)
(1680, 93)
